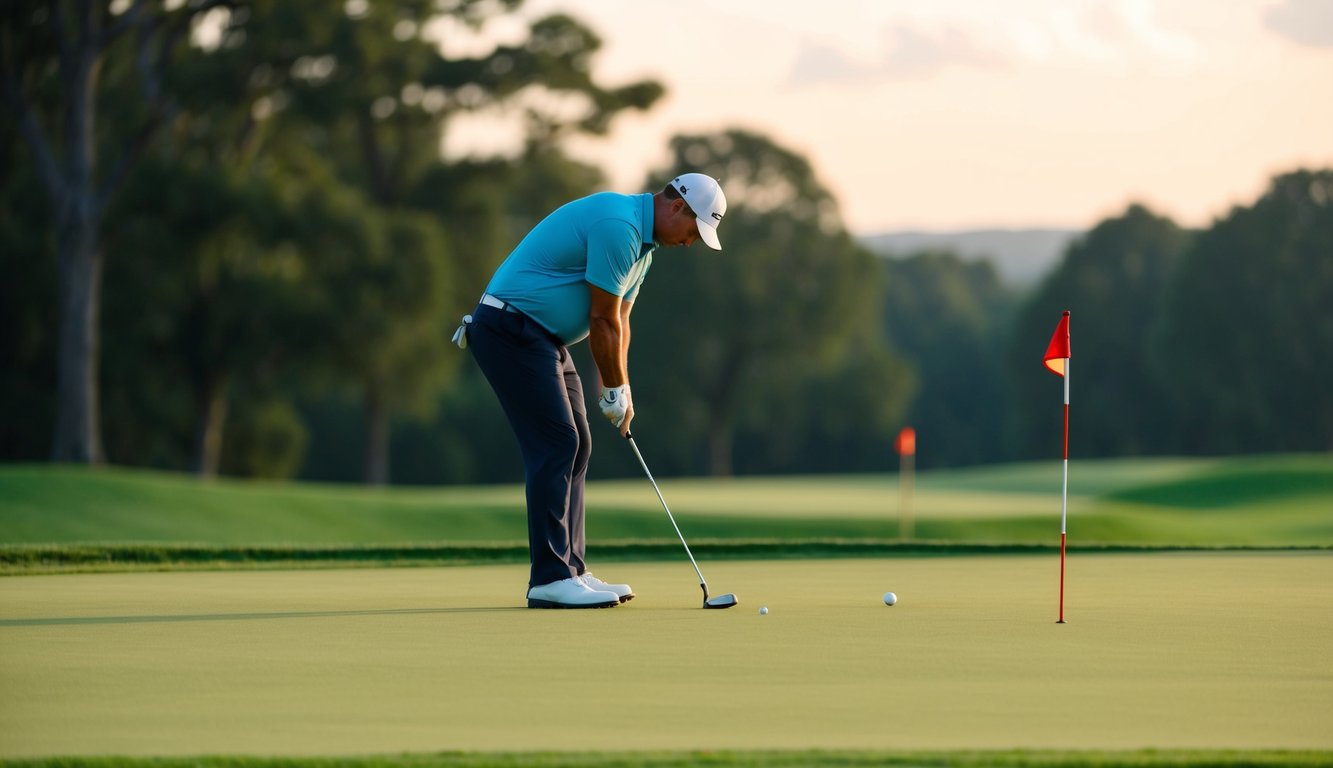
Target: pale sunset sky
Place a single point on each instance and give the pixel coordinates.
(959, 114)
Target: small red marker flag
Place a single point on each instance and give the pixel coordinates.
(1058, 350)
(906, 443)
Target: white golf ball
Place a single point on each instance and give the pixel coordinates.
(763, 611)
(890, 598)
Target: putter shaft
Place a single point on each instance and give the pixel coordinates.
(702, 584)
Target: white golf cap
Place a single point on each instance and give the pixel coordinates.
(704, 196)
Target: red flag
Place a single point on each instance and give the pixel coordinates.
(1058, 349)
(906, 442)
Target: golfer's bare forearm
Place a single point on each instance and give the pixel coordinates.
(606, 316)
(625, 307)
(605, 341)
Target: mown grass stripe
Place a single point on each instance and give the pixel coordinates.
(19, 559)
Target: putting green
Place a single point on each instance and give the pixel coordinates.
(1223, 650)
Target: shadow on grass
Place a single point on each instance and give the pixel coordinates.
(57, 621)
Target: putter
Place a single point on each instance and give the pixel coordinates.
(721, 601)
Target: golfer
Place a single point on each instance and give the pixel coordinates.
(576, 275)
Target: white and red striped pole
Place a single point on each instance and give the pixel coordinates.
(1064, 496)
(1057, 361)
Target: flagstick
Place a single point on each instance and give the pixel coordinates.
(905, 445)
(1064, 497)
(905, 471)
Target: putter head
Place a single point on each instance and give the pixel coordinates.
(721, 601)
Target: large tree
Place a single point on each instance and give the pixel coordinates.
(364, 88)
(224, 277)
(372, 88)
(1247, 327)
(52, 59)
(728, 336)
(1112, 280)
(951, 318)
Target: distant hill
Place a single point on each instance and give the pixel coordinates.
(1021, 256)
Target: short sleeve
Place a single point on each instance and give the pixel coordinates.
(613, 246)
(643, 273)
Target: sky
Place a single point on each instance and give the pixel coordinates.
(968, 114)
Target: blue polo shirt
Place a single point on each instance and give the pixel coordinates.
(605, 239)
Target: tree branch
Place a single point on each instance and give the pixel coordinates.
(47, 169)
(127, 160)
(87, 35)
(150, 62)
(370, 150)
(58, 24)
(127, 21)
(151, 69)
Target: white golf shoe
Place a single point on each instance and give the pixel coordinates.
(622, 591)
(570, 593)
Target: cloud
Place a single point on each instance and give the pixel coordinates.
(817, 64)
(1308, 22)
(907, 54)
(1103, 33)
(1135, 23)
(1117, 32)
(912, 54)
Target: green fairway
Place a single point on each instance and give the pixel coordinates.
(1189, 651)
(1272, 501)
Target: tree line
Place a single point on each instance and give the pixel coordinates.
(273, 252)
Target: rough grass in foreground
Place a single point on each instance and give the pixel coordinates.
(962, 759)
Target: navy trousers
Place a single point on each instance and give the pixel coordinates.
(534, 378)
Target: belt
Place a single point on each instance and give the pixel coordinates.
(491, 301)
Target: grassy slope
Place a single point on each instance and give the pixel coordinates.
(1268, 501)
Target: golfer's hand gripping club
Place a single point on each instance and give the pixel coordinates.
(618, 407)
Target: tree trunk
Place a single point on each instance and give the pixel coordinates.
(719, 450)
(67, 166)
(720, 421)
(376, 436)
(211, 402)
(78, 436)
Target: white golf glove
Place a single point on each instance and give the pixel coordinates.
(615, 404)
(460, 335)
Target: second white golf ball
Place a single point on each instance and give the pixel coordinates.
(890, 598)
(763, 611)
